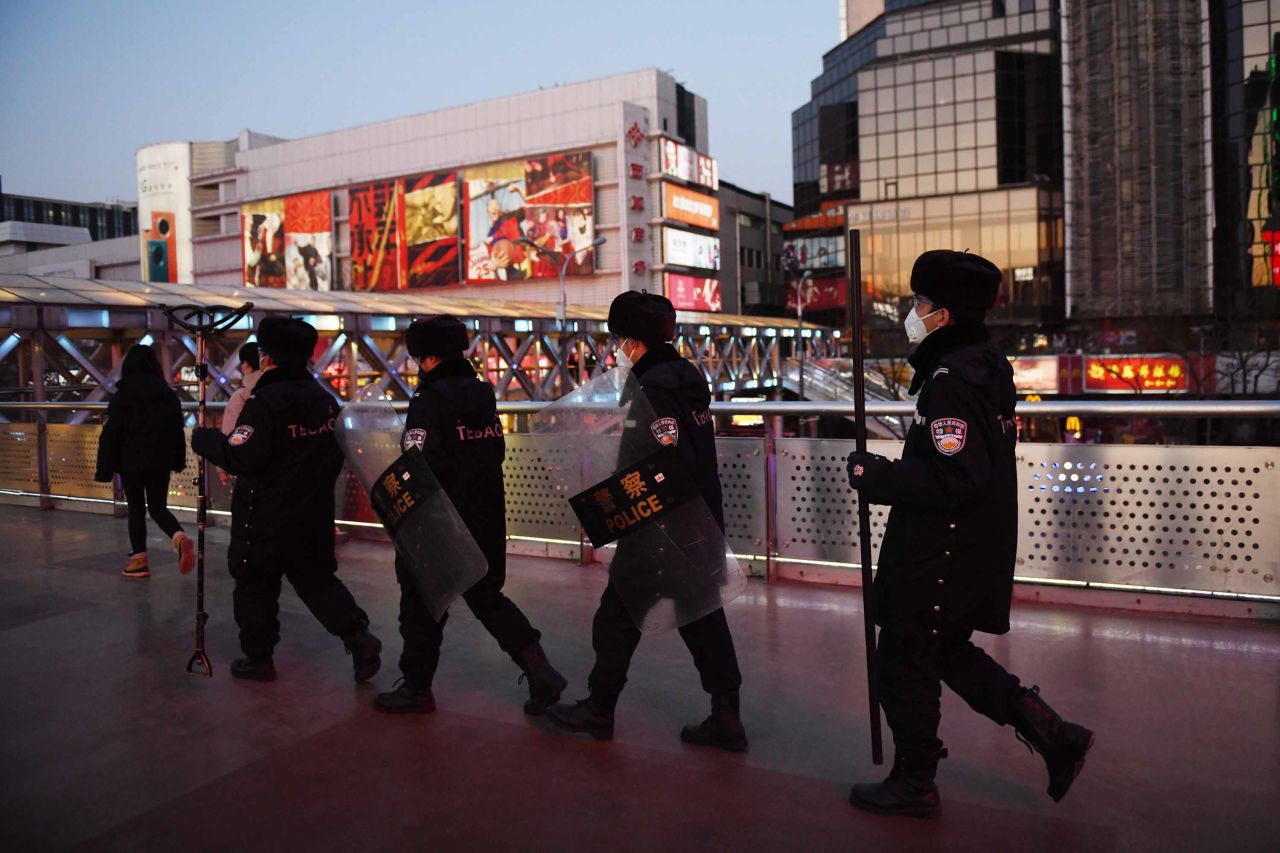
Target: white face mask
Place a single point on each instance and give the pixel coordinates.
(620, 356)
(914, 324)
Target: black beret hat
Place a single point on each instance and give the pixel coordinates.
(644, 316)
(287, 338)
(956, 279)
(442, 335)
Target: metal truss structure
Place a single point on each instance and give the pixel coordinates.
(64, 340)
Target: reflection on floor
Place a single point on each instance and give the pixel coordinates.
(108, 744)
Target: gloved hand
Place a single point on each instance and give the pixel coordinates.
(865, 468)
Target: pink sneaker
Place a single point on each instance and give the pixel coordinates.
(186, 552)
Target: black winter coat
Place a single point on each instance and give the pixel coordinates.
(143, 431)
(286, 458)
(681, 400)
(950, 544)
(453, 420)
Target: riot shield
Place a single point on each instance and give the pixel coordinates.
(428, 533)
(639, 504)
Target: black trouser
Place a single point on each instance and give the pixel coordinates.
(914, 663)
(614, 636)
(257, 601)
(423, 635)
(147, 492)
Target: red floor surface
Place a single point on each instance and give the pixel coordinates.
(108, 745)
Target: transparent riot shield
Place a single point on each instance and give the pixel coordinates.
(428, 533)
(639, 504)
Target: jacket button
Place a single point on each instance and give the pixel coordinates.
(934, 632)
(937, 608)
(946, 553)
(941, 582)
(952, 525)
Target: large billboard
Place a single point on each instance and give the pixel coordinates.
(308, 241)
(681, 161)
(429, 240)
(164, 212)
(686, 249)
(690, 207)
(375, 238)
(820, 293)
(527, 217)
(693, 293)
(814, 253)
(262, 239)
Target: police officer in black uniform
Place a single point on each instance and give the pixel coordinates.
(286, 458)
(645, 324)
(946, 563)
(453, 420)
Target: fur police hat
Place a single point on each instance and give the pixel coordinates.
(287, 339)
(644, 316)
(443, 336)
(956, 279)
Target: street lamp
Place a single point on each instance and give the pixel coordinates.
(800, 324)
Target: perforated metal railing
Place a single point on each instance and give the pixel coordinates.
(1195, 520)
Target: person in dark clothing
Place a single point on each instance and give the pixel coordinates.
(453, 420)
(678, 393)
(286, 460)
(947, 559)
(142, 441)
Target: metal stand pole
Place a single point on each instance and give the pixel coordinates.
(203, 321)
(854, 254)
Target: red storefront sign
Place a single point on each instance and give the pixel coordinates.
(820, 293)
(691, 293)
(1133, 373)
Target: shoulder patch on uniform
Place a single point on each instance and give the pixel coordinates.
(240, 435)
(940, 372)
(949, 435)
(415, 437)
(665, 431)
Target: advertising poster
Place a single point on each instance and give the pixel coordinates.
(164, 212)
(686, 249)
(691, 293)
(308, 241)
(1035, 374)
(375, 244)
(544, 201)
(262, 232)
(814, 253)
(681, 161)
(692, 208)
(1136, 373)
(820, 293)
(429, 239)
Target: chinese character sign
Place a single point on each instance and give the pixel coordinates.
(1137, 373)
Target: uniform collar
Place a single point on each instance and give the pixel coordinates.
(451, 369)
(939, 345)
(652, 358)
(282, 374)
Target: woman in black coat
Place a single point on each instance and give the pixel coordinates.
(142, 441)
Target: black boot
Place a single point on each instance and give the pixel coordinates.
(722, 729)
(545, 684)
(908, 789)
(253, 670)
(1063, 745)
(366, 654)
(584, 717)
(405, 699)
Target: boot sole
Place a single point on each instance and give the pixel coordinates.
(537, 709)
(729, 746)
(1075, 770)
(186, 557)
(146, 574)
(579, 730)
(913, 811)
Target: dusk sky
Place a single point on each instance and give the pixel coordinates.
(85, 84)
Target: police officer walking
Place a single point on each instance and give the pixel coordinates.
(645, 324)
(453, 420)
(946, 562)
(286, 459)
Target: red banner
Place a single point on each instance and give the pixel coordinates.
(690, 293)
(1133, 373)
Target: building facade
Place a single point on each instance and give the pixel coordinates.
(751, 274)
(103, 220)
(492, 199)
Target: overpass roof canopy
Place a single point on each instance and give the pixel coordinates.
(100, 293)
